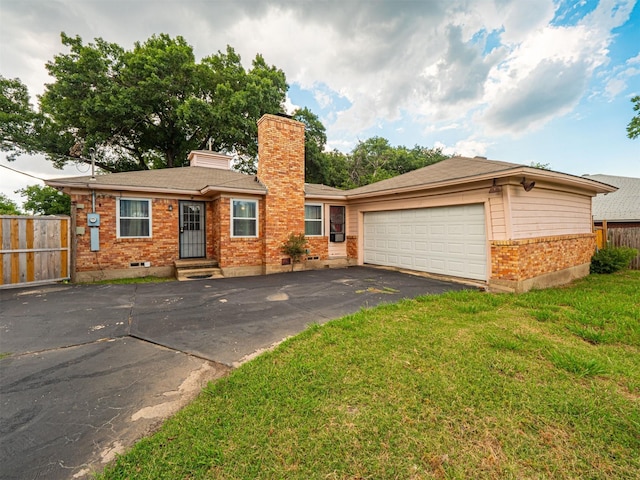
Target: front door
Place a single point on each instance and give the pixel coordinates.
(192, 230)
(337, 232)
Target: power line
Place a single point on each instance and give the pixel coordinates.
(23, 173)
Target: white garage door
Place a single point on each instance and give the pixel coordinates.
(444, 240)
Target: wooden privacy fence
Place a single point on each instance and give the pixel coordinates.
(33, 250)
(625, 237)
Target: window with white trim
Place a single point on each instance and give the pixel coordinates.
(313, 219)
(133, 218)
(244, 218)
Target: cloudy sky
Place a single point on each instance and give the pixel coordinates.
(523, 81)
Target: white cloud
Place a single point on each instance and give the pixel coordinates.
(427, 63)
(465, 148)
(546, 75)
(618, 77)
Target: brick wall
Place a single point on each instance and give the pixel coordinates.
(281, 170)
(352, 247)
(213, 230)
(118, 253)
(238, 252)
(518, 260)
(318, 247)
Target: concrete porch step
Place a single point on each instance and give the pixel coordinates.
(197, 268)
(198, 273)
(196, 263)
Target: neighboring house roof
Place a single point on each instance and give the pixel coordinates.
(457, 170)
(622, 205)
(191, 180)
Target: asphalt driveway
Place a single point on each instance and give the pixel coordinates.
(86, 370)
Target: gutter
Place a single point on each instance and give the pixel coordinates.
(130, 188)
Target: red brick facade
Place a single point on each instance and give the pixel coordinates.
(318, 248)
(352, 246)
(520, 260)
(238, 252)
(280, 213)
(119, 253)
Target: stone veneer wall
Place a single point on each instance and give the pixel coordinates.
(520, 265)
(281, 170)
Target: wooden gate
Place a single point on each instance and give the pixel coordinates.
(33, 250)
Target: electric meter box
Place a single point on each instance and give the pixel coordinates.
(93, 219)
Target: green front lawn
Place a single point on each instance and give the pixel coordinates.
(465, 385)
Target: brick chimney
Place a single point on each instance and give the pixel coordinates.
(281, 170)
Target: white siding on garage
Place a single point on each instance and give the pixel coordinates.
(541, 213)
(442, 240)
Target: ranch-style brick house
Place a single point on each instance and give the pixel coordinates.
(507, 226)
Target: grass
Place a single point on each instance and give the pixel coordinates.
(464, 385)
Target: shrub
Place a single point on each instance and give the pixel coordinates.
(610, 260)
(294, 247)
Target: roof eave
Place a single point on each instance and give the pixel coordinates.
(215, 189)
(318, 196)
(132, 188)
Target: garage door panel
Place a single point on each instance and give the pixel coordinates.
(455, 267)
(437, 247)
(456, 249)
(420, 263)
(437, 265)
(419, 247)
(406, 262)
(444, 240)
(476, 251)
(436, 229)
(476, 229)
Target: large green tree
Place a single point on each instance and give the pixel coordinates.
(17, 118)
(8, 206)
(633, 129)
(370, 161)
(315, 139)
(375, 159)
(45, 200)
(148, 107)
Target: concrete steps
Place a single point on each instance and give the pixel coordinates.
(197, 269)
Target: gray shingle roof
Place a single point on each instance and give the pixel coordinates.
(170, 179)
(622, 205)
(319, 190)
(451, 169)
